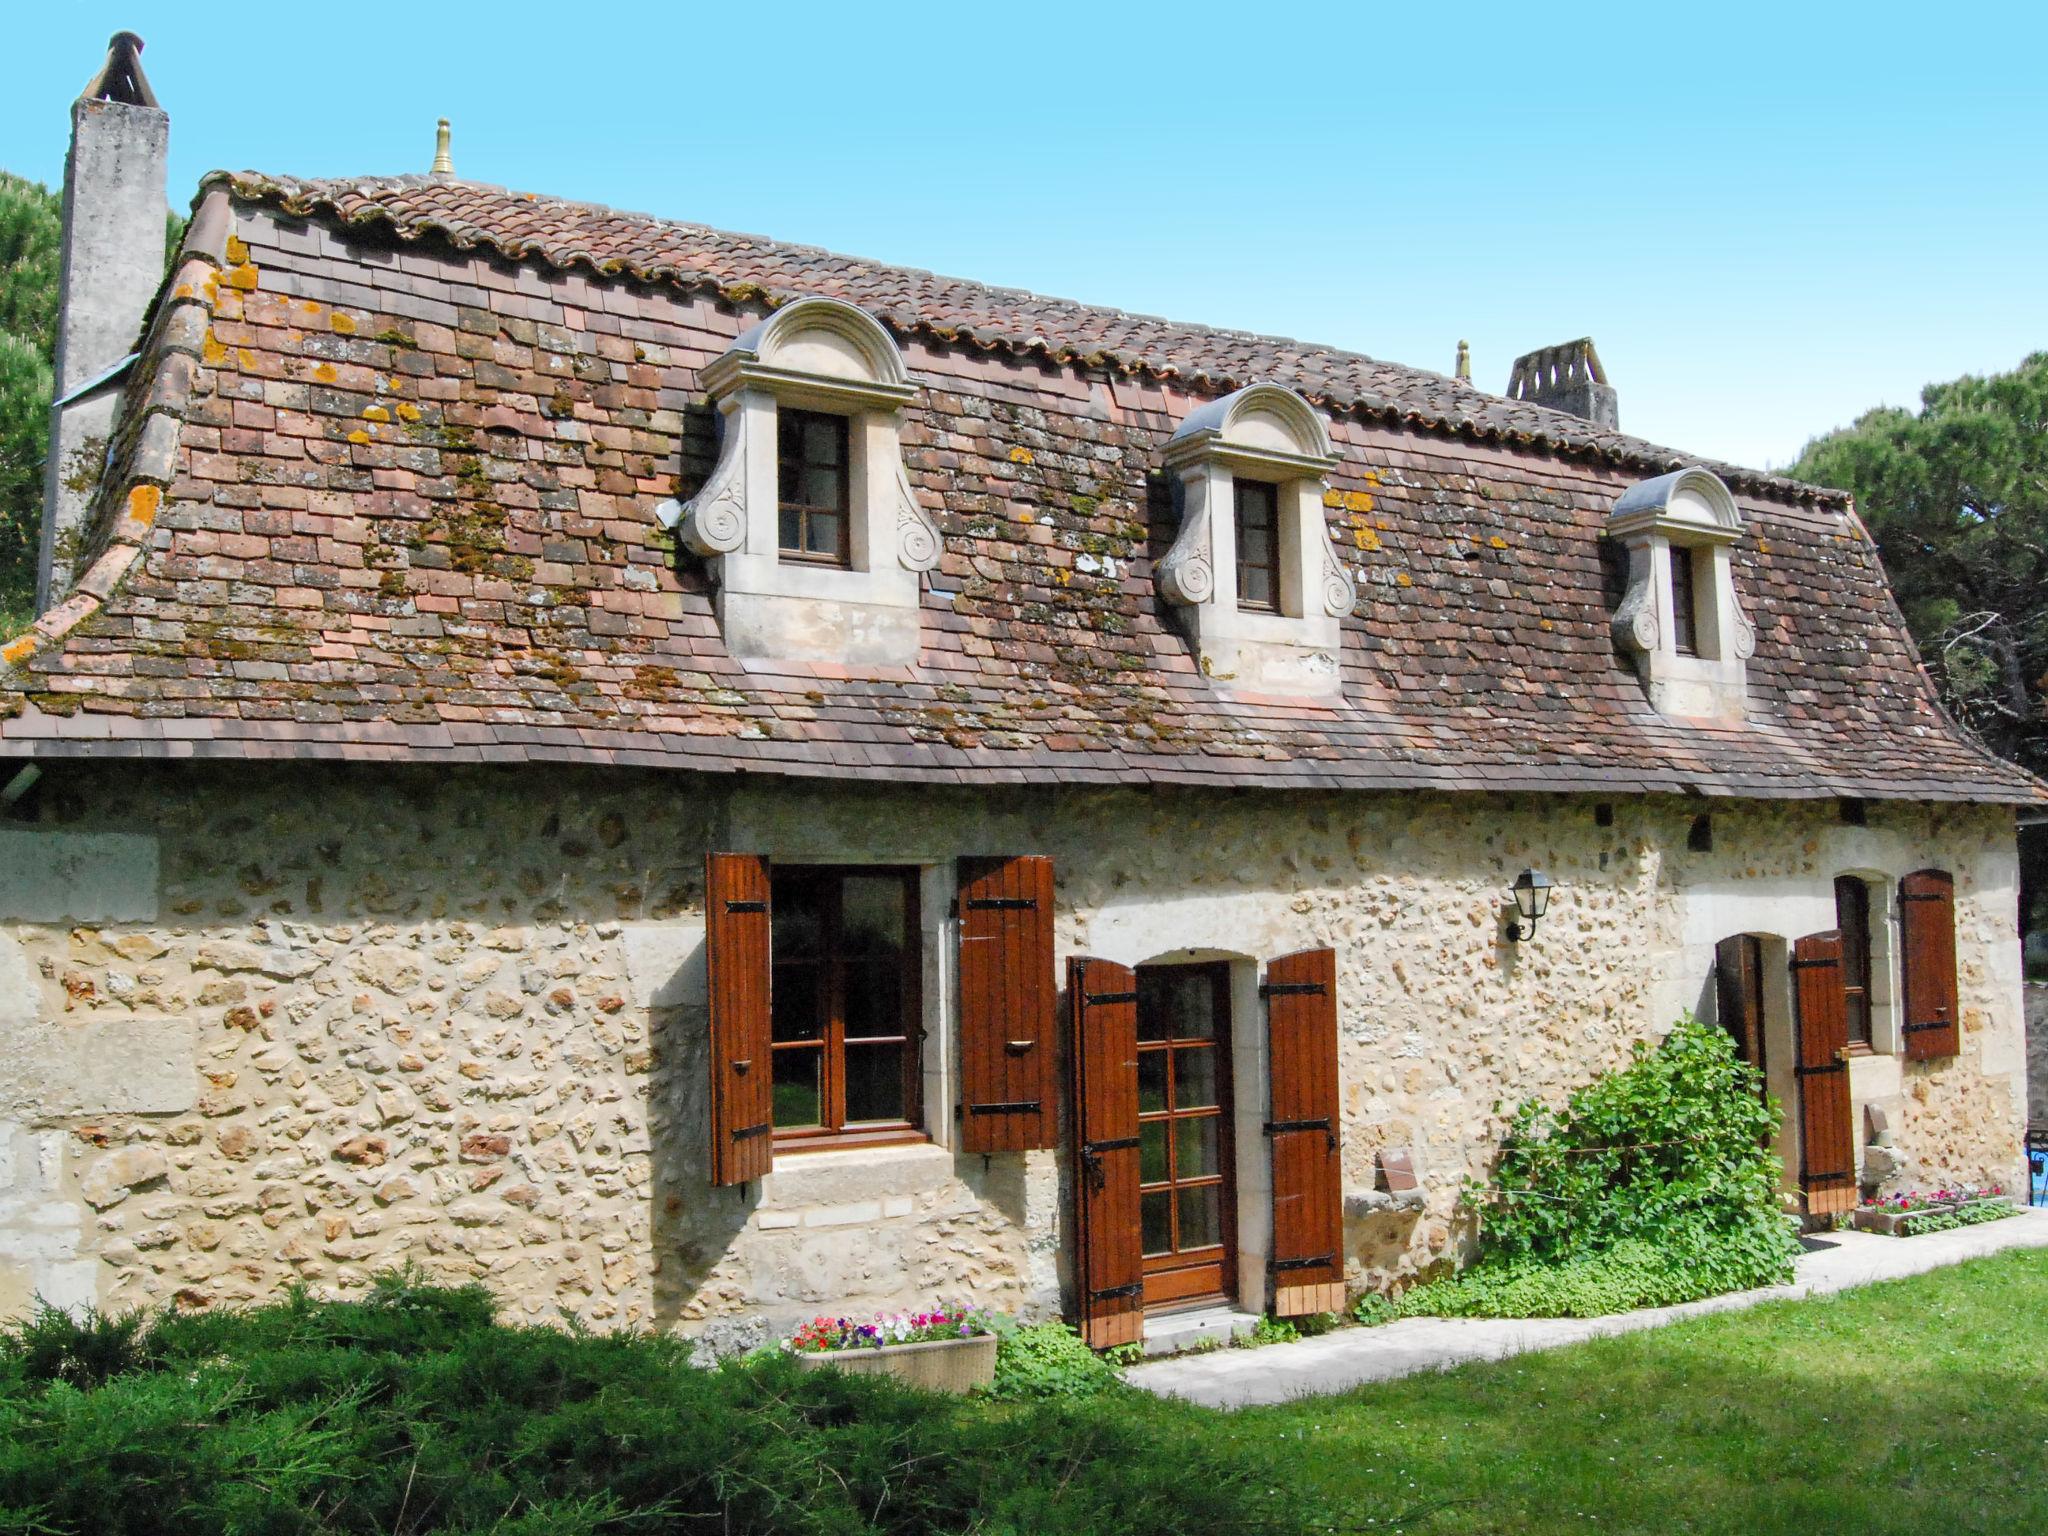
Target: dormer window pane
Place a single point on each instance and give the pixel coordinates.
(811, 449)
(1684, 609)
(1258, 544)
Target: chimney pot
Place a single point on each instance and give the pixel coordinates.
(1568, 378)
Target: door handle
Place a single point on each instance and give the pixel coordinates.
(743, 1064)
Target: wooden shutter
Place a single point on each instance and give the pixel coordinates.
(736, 919)
(1927, 920)
(1827, 1142)
(1308, 1185)
(1007, 998)
(1109, 1277)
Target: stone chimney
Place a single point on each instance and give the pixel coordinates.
(1569, 378)
(114, 221)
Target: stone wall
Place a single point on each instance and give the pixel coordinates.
(270, 1023)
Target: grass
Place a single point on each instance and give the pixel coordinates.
(1909, 1407)
(1912, 1406)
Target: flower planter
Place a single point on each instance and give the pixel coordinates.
(938, 1365)
(1899, 1223)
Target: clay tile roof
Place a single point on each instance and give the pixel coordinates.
(527, 226)
(385, 482)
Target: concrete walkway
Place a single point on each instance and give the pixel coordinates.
(1239, 1378)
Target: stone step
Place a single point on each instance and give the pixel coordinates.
(1176, 1333)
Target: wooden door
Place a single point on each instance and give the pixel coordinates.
(1187, 1210)
(1308, 1174)
(1739, 989)
(1109, 1278)
(1827, 1139)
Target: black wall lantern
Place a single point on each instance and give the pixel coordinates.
(1532, 900)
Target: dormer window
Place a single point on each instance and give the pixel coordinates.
(811, 448)
(1258, 544)
(808, 524)
(1685, 624)
(1252, 571)
(1680, 618)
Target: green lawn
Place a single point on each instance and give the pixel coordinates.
(1920, 1405)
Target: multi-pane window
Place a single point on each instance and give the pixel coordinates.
(1258, 543)
(1685, 620)
(812, 456)
(1184, 1150)
(843, 997)
(1852, 922)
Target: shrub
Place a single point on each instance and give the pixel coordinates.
(1047, 1360)
(79, 1351)
(1655, 1184)
(411, 1411)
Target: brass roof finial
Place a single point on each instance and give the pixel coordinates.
(443, 165)
(1465, 362)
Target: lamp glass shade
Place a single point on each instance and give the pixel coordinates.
(1532, 893)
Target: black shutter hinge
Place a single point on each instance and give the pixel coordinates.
(1014, 1107)
(1293, 989)
(1001, 903)
(746, 906)
(1282, 1127)
(1135, 1288)
(753, 1130)
(1104, 999)
(1278, 1265)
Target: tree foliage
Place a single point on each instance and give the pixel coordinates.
(30, 249)
(1956, 496)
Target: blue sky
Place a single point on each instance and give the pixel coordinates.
(1770, 218)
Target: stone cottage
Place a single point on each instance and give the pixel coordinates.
(691, 778)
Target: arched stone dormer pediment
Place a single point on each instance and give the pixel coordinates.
(1260, 426)
(817, 351)
(1689, 502)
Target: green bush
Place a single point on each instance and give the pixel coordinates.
(1961, 1216)
(412, 1412)
(1655, 1184)
(1046, 1360)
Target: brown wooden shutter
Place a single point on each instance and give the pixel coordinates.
(1308, 1184)
(1927, 920)
(1007, 1005)
(1109, 1277)
(736, 925)
(1827, 1139)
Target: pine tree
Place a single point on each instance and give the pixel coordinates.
(30, 250)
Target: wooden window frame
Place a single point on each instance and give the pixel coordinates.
(789, 423)
(1271, 564)
(832, 1072)
(1685, 602)
(1852, 923)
